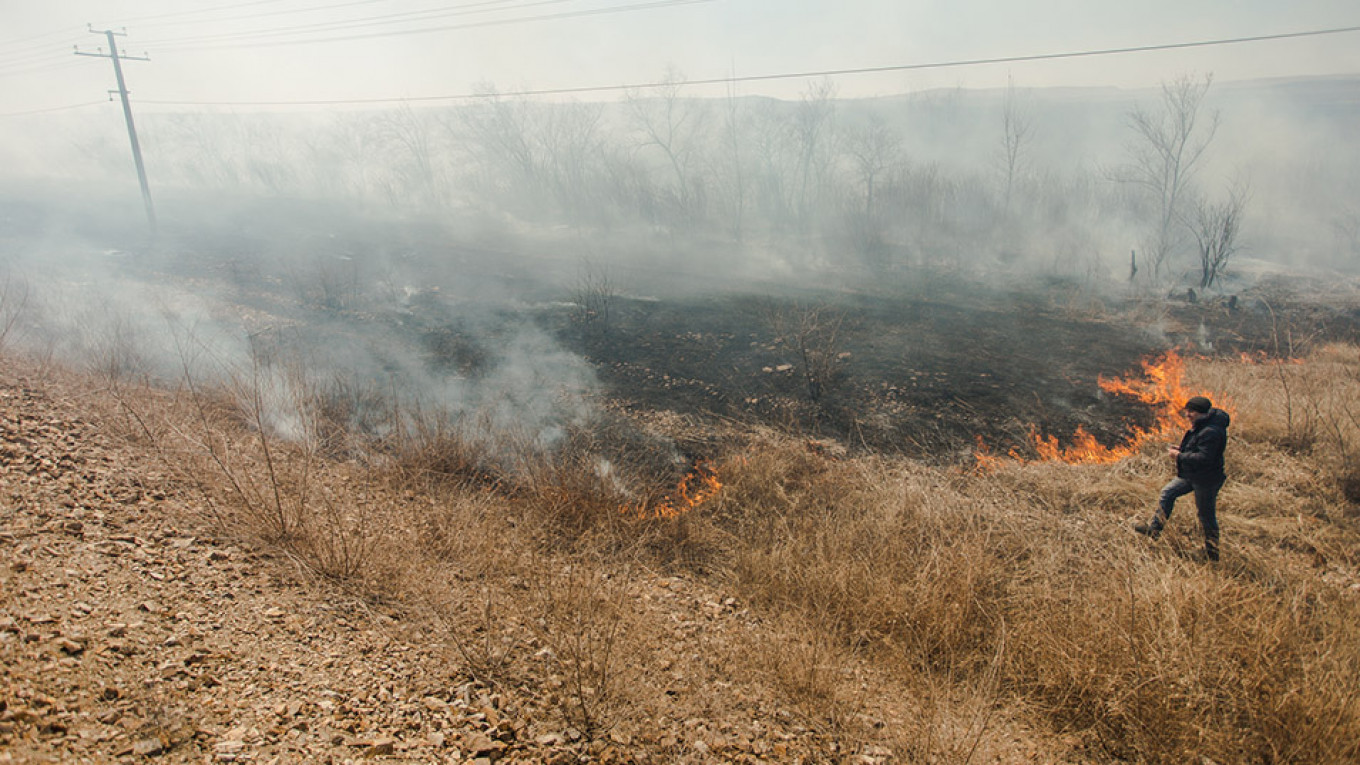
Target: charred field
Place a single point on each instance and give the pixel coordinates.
(923, 363)
(928, 365)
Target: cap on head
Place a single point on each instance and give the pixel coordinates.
(1198, 404)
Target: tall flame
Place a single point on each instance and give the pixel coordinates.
(1161, 387)
(699, 486)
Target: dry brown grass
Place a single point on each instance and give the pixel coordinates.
(1142, 650)
(879, 583)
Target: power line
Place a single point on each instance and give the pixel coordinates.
(255, 38)
(787, 75)
(429, 30)
(358, 23)
(27, 61)
(30, 38)
(37, 49)
(312, 9)
(199, 11)
(54, 109)
(45, 50)
(38, 69)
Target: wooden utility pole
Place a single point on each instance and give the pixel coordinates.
(127, 114)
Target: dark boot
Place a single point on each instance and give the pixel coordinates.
(1211, 548)
(1151, 530)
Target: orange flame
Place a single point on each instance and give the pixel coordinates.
(696, 488)
(1161, 386)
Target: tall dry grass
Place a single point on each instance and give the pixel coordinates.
(966, 599)
(1141, 649)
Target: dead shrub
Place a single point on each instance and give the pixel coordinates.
(813, 334)
(470, 556)
(476, 614)
(581, 616)
(595, 296)
(335, 535)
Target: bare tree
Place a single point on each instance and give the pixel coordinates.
(341, 159)
(1217, 227)
(498, 131)
(814, 132)
(735, 180)
(874, 150)
(408, 132)
(672, 125)
(570, 147)
(1016, 131)
(773, 160)
(1169, 141)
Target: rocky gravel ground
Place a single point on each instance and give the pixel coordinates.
(130, 631)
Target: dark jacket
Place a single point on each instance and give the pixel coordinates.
(1201, 457)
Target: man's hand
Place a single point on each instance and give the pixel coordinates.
(1174, 452)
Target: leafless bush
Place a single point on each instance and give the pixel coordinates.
(1300, 418)
(581, 616)
(474, 605)
(111, 345)
(350, 414)
(250, 447)
(327, 281)
(1343, 417)
(595, 294)
(1217, 228)
(429, 448)
(813, 333)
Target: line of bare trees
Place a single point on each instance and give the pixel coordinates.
(802, 172)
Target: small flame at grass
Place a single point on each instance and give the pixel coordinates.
(699, 486)
(1161, 386)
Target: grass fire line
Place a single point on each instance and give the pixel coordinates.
(1161, 386)
(697, 487)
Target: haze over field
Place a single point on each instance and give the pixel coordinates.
(388, 157)
(387, 105)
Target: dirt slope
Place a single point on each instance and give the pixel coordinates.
(130, 632)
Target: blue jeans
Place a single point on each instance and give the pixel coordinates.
(1206, 502)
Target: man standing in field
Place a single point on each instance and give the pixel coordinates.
(1199, 469)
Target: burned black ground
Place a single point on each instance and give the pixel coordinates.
(917, 362)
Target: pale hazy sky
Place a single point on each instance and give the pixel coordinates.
(211, 51)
